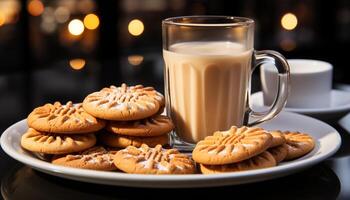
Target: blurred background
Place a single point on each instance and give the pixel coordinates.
(64, 49)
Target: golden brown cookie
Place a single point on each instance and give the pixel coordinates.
(152, 126)
(124, 103)
(69, 119)
(122, 141)
(260, 161)
(96, 158)
(234, 145)
(49, 143)
(299, 144)
(279, 152)
(277, 138)
(147, 160)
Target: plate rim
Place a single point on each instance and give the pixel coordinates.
(328, 110)
(118, 177)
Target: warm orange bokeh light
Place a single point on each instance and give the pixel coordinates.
(289, 21)
(77, 63)
(135, 27)
(2, 19)
(35, 7)
(135, 60)
(91, 21)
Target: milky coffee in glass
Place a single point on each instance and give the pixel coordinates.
(208, 65)
(205, 78)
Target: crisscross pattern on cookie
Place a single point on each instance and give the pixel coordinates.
(124, 96)
(262, 160)
(231, 146)
(298, 143)
(56, 144)
(124, 102)
(152, 126)
(68, 118)
(65, 112)
(98, 155)
(155, 160)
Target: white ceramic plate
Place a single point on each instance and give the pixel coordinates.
(340, 105)
(327, 143)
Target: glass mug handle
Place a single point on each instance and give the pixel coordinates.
(268, 56)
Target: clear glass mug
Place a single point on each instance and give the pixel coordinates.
(208, 66)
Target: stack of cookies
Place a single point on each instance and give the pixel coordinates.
(57, 129)
(67, 133)
(133, 114)
(245, 148)
(292, 145)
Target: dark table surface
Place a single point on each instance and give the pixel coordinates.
(24, 90)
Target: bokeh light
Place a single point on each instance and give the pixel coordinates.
(85, 6)
(2, 19)
(289, 21)
(135, 60)
(48, 15)
(48, 27)
(76, 27)
(135, 27)
(91, 21)
(61, 14)
(35, 7)
(77, 63)
(9, 11)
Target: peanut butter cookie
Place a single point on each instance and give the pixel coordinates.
(124, 103)
(49, 143)
(96, 158)
(146, 160)
(299, 144)
(234, 145)
(68, 119)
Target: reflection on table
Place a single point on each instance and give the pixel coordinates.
(22, 182)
